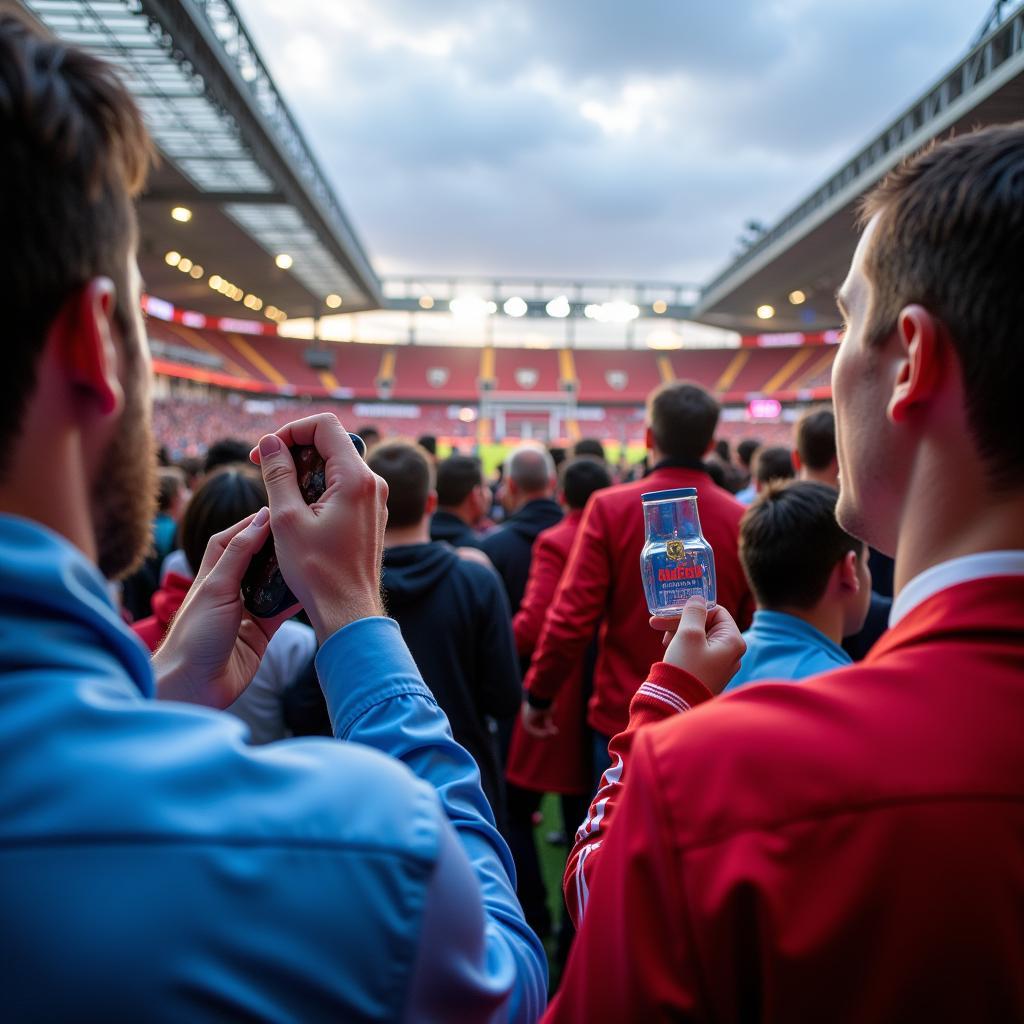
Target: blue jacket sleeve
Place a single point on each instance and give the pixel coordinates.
(376, 697)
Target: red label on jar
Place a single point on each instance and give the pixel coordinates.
(681, 572)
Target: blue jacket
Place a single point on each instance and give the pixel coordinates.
(781, 647)
(155, 866)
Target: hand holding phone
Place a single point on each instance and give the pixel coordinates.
(264, 590)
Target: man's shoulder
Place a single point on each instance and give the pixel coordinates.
(766, 753)
(173, 770)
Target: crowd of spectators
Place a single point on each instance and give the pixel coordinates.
(327, 812)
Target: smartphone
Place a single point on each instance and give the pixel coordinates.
(264, 591)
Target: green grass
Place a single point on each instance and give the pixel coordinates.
(492, 455)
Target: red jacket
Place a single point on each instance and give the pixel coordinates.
(847, 849)
(559, 764)
(602, 584)
(166, 602)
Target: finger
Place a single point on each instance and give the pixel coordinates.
(721, 625)
(218, 542)
(694, 617)
(324, 431)
(230, 568)
(668, 623)
(278, 468)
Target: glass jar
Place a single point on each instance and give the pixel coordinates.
(677, 562)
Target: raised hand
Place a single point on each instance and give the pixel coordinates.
(214, 646)
(329, 552)
(707, 644)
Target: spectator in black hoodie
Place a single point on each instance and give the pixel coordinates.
(527, 496)
(453, 613)
(463, 499)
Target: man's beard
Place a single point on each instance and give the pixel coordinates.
(124, 495)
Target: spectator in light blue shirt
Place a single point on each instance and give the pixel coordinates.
(810, 579)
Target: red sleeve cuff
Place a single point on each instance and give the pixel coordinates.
(680, 682)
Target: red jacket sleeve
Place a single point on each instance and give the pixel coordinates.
(578, 606)
(668, 691)
(631, 959)
(546, 568)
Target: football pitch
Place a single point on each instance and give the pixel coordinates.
(492, 455)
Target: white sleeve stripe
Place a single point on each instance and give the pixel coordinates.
(666, 696)
(592, 822)
(582, 889)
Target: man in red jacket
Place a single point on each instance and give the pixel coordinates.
(852, 849)
(602, 584)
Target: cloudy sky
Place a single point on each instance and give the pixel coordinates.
(628, 139)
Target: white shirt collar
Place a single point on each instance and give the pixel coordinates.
(949, 574)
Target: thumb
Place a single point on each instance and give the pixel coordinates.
(278, 468)
(694, 617)
(227, 574)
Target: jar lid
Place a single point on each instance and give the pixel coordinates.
(677, 492)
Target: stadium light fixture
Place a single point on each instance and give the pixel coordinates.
(659, 306)
(467, 414)
(333, 301)
(559, 307)
(172, 259)
(611, 312)
(283, 260)
(515, 306)
(196, 272)
(426, 302)
(663, 337)
(467, 308)
(765, 312)
(797, 297)
(215, 282)
(182, 214)
(184, 264)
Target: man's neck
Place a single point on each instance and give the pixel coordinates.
(944, 519)
(526, 499)
(402, 536)
(458, 511)
(824, 617)
(821, 476)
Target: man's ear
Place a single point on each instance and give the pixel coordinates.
(85, 343)
(431, 504)
(919, 335)
(648, 439)
(849, 578)
(797, 464)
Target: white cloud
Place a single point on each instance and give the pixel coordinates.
(590, 138)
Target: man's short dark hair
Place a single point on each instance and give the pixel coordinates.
(558, 455)
(428, 443)
(224, 498)
(775, 463)
(683, 418)
(745, 450)
(816, 438)
(581, 477)
(950, 236)
(456, 477)
(790, 542)
(406, 469)
(589, 446)
(722, 450)
(226, 452)
(75, 154)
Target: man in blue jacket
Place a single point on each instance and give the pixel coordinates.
(153, 864)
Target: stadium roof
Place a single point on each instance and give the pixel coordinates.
(808, 251)
(232, 156)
